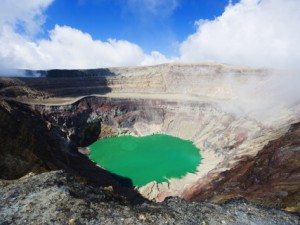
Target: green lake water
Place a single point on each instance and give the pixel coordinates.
(145, 159)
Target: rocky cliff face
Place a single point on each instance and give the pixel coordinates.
(188, 101)
(21, 141)
(270, 178)
(30, 143)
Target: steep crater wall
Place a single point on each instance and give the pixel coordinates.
(193, 102)
(222, 138)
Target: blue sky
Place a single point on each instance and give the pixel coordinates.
(48, 34)
(160, 29)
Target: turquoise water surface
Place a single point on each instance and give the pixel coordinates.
(145, 159)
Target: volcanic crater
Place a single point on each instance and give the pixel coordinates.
(48, 121)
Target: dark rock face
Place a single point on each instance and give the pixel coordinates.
(58, 84)
(91, 118)
(21, 137)
(30, 144)
(270, 178)
(58, 198)
(63, 86)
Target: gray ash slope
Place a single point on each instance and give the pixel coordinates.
(58, 198)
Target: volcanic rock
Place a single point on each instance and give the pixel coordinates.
(47, 122)
(58, 198)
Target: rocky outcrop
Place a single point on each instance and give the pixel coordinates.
(58, 198)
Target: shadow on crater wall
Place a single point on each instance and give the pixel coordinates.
(70, 83)
(28, 145)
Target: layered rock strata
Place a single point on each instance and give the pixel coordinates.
(188, 101)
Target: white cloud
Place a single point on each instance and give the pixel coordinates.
(253, 32)
(66, 47)
(260, 33)
(71, 48)
(263, 33)
(25, 15)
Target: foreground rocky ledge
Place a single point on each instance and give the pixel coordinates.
(58, 198)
